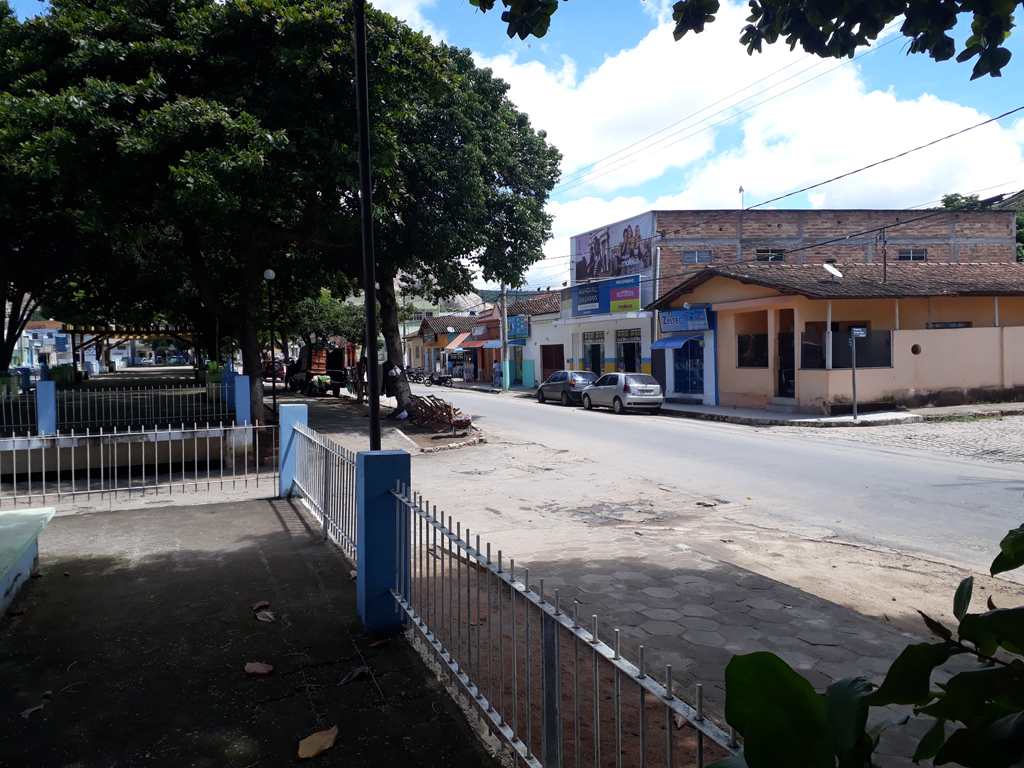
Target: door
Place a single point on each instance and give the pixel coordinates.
(785, 385)
(593, 358)
(517, 365)
(689, 367)
(601, 393)
(551, 359)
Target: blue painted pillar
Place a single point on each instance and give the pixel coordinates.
(291, 415)
(377, 474)
(243, 411)
(46, 407)
(227, 386)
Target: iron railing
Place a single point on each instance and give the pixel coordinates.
(17, 415)
(325, 475)
(147, 407)
(116, 462)
(549, 687)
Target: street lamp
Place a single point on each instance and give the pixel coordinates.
(269, 276)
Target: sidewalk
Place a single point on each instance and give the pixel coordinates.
(136, 635)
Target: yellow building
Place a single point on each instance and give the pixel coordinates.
(778, 336)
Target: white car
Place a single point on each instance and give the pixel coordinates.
(624, 391)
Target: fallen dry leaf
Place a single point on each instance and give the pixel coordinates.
(356, 674)
(261, 604)
(380, 643)
(28, 712)
(267, 616)
(321, 741)
(352, 575)
(258, 668)
(680, 721)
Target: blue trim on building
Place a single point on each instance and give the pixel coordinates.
(715, 331)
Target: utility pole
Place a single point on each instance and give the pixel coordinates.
(504, 337)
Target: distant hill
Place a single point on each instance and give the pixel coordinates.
(492, 296)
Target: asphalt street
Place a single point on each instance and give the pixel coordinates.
(914, 501)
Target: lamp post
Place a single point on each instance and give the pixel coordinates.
(269, 276)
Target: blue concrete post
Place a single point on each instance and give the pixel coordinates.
(46, 407)
(243, 411)
(227, 384)
(291, 415)
(377, 474)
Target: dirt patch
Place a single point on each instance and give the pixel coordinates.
(428, 440)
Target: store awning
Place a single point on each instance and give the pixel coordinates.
(517, 343)
(675, 342)
(458, 341)
(472, 344)
(492, 344)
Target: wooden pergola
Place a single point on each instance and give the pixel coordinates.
(101, 334)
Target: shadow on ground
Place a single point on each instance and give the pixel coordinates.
(136, 635)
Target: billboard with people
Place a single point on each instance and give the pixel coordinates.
(617, 250)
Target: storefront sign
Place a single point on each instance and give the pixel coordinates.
(684, 320)
(519, 327)
(480, 330)
(593, 337)
(61, 342)
(608, 296)
(429, 337)
(625, 248)
(627, 336)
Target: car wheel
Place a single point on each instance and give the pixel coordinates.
(587, 404)
(617, 406)
(540, 396)
(565, 398)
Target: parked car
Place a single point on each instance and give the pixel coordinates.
(565, 386)
(623, 391)
(268, 370)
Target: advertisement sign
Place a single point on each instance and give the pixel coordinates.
(624, 248)
(593, 337)
(429, 337)
(627, 336)
(519, 327)
(61, 342)
(608, 296)
(684, 320)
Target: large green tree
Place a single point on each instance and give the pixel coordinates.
(828, 28)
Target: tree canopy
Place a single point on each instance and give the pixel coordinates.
(830, 29)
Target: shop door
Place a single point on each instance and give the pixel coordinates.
(593, 359)
(551, 359)
(517, 365)
(628, 357)
(786, 383)
(689, 367)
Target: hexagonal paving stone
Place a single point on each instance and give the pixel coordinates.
(741, 633)
(744, 646)
(662, 614)
(629, 576)
(698, 610)
(797, 660)
(737, 620)
(661, 627)
(690, 622)
(660, 592)
(596, 578)
(703, 637)
(764, 603)
(817, 637)
(772, 628)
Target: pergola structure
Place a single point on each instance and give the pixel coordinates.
(101, 334)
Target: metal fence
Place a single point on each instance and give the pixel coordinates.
(117, 463)
(548, 686)
(325, 474)
(17, 415)
(145, 406)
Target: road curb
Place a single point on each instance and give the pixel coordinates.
(769, 422)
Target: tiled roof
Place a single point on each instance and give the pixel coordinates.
(461, 323)
(546, 303)
(865, 281)
(1013, 202)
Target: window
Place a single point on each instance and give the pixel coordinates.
(912, 254)
(937, 326)
(560, 376)
(696, 257)
(586, 376)
(771, 254)
(605, 381)
(417, 317)
(752, 350)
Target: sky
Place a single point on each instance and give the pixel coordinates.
(644, 122)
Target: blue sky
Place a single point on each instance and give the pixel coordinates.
(608, 75)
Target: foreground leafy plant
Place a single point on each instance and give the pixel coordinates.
(785, 723)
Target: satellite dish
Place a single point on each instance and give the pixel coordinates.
(450, 329)
(832, 270)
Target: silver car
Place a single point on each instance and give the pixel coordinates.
(565, 386)
(623, 391)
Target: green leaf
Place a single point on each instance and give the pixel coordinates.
(847, 716)
(875, 731)
(909, 676)
(1003, 626)
(995, 745)
(962, 598)
(935, 627)
(777, 712)
(1011, 553)
(931, 742)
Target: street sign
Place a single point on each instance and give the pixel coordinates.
(859, 333)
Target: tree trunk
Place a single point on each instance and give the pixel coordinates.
(250, 340)
(22, 307)
(393, 339)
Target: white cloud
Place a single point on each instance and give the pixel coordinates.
(826, 127)
(412, 13)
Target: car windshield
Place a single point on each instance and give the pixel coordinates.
(641, 380)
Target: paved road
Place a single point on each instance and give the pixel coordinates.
(921, 502)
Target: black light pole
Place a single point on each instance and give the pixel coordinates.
(269, 275)
(366, 217)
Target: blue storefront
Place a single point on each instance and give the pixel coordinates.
(684, 358)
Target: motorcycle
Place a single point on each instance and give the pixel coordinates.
(413, 375)
(439, 379)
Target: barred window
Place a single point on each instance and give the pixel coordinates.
(696, 257)
(913, 254)
(771, 254)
